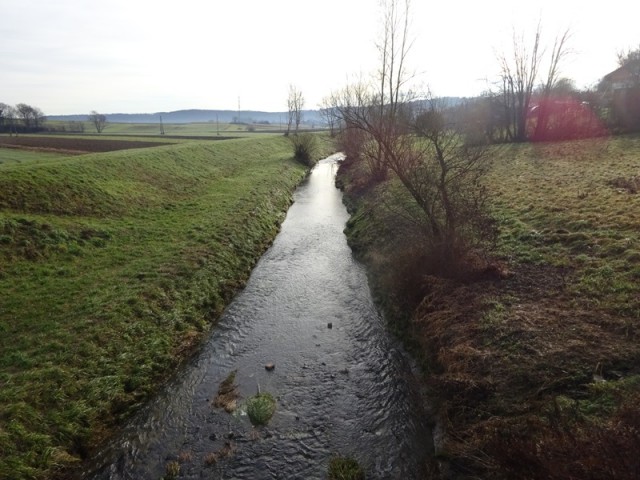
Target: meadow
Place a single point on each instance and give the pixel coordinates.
(113, 267)
(533, 364)
(17, 156)
(194, 129)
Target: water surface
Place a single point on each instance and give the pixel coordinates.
(342, 390)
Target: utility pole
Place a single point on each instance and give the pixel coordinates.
(217, 125)
(161, 126)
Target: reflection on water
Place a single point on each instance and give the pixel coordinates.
(341, 390)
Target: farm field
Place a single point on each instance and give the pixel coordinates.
(73, 144)
(209, 129)
(113, 266)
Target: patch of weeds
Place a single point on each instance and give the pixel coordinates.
(615, 248)
(580, 225)
(632, 256)
(214, 457)
(260, 408)
(494, 317)
(583, 259)
(345, 468)
(628, 184)
(634, 273)
(227, 395)
(31, 240)
(185, 457)
(601, 400)
(172, 470)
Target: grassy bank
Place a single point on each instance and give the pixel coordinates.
(535, 372)
(15, 156)
(112, 268)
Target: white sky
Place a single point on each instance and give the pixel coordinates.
(133, 56)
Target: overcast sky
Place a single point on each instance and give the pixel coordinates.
(134, 56)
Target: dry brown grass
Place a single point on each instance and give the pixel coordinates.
(535, 364)
(227, 395)
(226, 451)
(504, 365)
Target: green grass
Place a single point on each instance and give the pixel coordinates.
(550, 345)
(345, 468)
(260, 408)
(209, 129)
(559, 204)
(92, 135)
(112, 268)
(13, 156)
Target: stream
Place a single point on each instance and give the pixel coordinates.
(343, 384)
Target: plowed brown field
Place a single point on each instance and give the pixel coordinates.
(73, 145)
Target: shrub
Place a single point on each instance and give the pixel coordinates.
(305, 146)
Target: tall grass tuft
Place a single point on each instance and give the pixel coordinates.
(345, 468)
(260, 408)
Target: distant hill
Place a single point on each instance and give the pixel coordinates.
(199, 116)
(310, 117)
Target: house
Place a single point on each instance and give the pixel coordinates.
(625, 77)
(621, 89)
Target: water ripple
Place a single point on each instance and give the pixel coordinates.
(340, 390)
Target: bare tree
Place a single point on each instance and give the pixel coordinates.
(437, 164)
(8, 116)
(32, 117)
(629, 56)
(392, 76)
(446, 182)
(558, 52)
(3, 115)
(519, 74)
(330, 115)
(76, 126)
(11, 114)
(98, 120)
(295, 104)
(380, 108)
(24, 112)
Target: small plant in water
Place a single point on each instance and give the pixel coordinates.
(214, 457)
(345, 468)
(173, 470)
(260, 408)
(227, 394)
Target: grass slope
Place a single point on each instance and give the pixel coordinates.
(112, 267)
(10, 156)
(537, 374)
(209, 129)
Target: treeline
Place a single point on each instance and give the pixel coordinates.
(526, 102)
(564, 113)
(21, 118)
